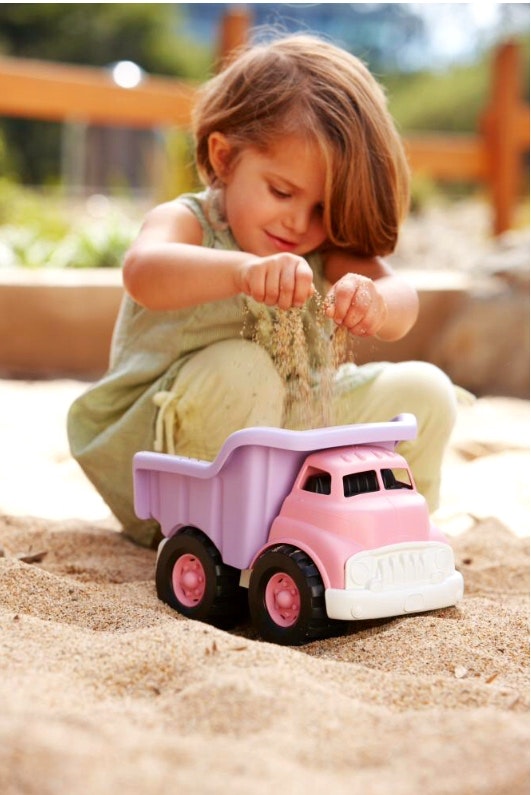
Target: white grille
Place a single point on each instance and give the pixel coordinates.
(401, 565)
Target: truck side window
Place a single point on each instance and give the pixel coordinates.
(396, 479)
(318, 482)
(360, 483)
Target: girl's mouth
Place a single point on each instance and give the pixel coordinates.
(280, 243)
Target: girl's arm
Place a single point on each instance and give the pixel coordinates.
(167, 267)
(369, 298)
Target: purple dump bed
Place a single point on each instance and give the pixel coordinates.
(235, 498)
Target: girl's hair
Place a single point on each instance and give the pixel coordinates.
(303, 85)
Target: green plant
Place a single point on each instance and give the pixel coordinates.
(29, 208)
(23, 247)
(449, 101)
(48, 231)
(94, 246)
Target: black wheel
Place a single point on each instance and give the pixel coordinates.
(192, 578)
(286, 597)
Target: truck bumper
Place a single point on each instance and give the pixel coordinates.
(359, 604)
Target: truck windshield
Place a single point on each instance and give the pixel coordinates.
(360, 483)
(318, 482)
(396, 479)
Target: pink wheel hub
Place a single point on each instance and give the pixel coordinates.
(188, 580)
(283, 600)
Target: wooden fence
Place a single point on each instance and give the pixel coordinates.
(492, 157)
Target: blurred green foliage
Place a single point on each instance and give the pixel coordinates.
(99, 34)
(45, 230)
(447, 101)
(450, 101)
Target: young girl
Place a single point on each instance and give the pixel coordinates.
(306, 187)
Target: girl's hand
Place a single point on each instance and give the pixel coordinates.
(284, 280)
(355, 303)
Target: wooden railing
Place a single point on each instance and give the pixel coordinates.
(59, 92)
(492, 156)
(63, 92)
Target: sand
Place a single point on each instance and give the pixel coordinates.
(105, 690)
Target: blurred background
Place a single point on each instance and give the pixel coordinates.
(434, 59)
(94, 129)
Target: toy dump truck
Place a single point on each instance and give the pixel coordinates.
(309, 527)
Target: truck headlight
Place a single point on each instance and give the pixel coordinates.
(360, 572)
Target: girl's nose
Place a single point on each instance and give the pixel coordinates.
(298, 220)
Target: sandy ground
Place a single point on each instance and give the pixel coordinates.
(106, 690)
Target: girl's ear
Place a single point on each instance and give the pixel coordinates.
(220, 154)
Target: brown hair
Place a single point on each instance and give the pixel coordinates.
(303, 85)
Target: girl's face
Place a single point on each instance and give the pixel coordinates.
(273, 199)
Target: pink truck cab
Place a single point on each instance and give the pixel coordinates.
(307, 528)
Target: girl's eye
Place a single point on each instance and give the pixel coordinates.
(280, 194)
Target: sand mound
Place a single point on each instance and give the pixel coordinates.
(104, 689)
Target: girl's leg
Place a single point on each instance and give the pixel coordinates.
(418, 388)
(230, 385)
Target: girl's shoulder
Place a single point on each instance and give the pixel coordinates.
(171, 221)
(206, 208)
(193, 202)
(190, 218)
(183, 219)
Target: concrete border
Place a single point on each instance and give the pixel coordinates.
(59, 323)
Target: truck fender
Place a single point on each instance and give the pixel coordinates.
(172, 533)
(296, 544)
(330, 560)
(328, 551)
(178, 528)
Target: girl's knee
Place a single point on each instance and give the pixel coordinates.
(229, 385)
(430, 395)
(239, 375)
(424, 389)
